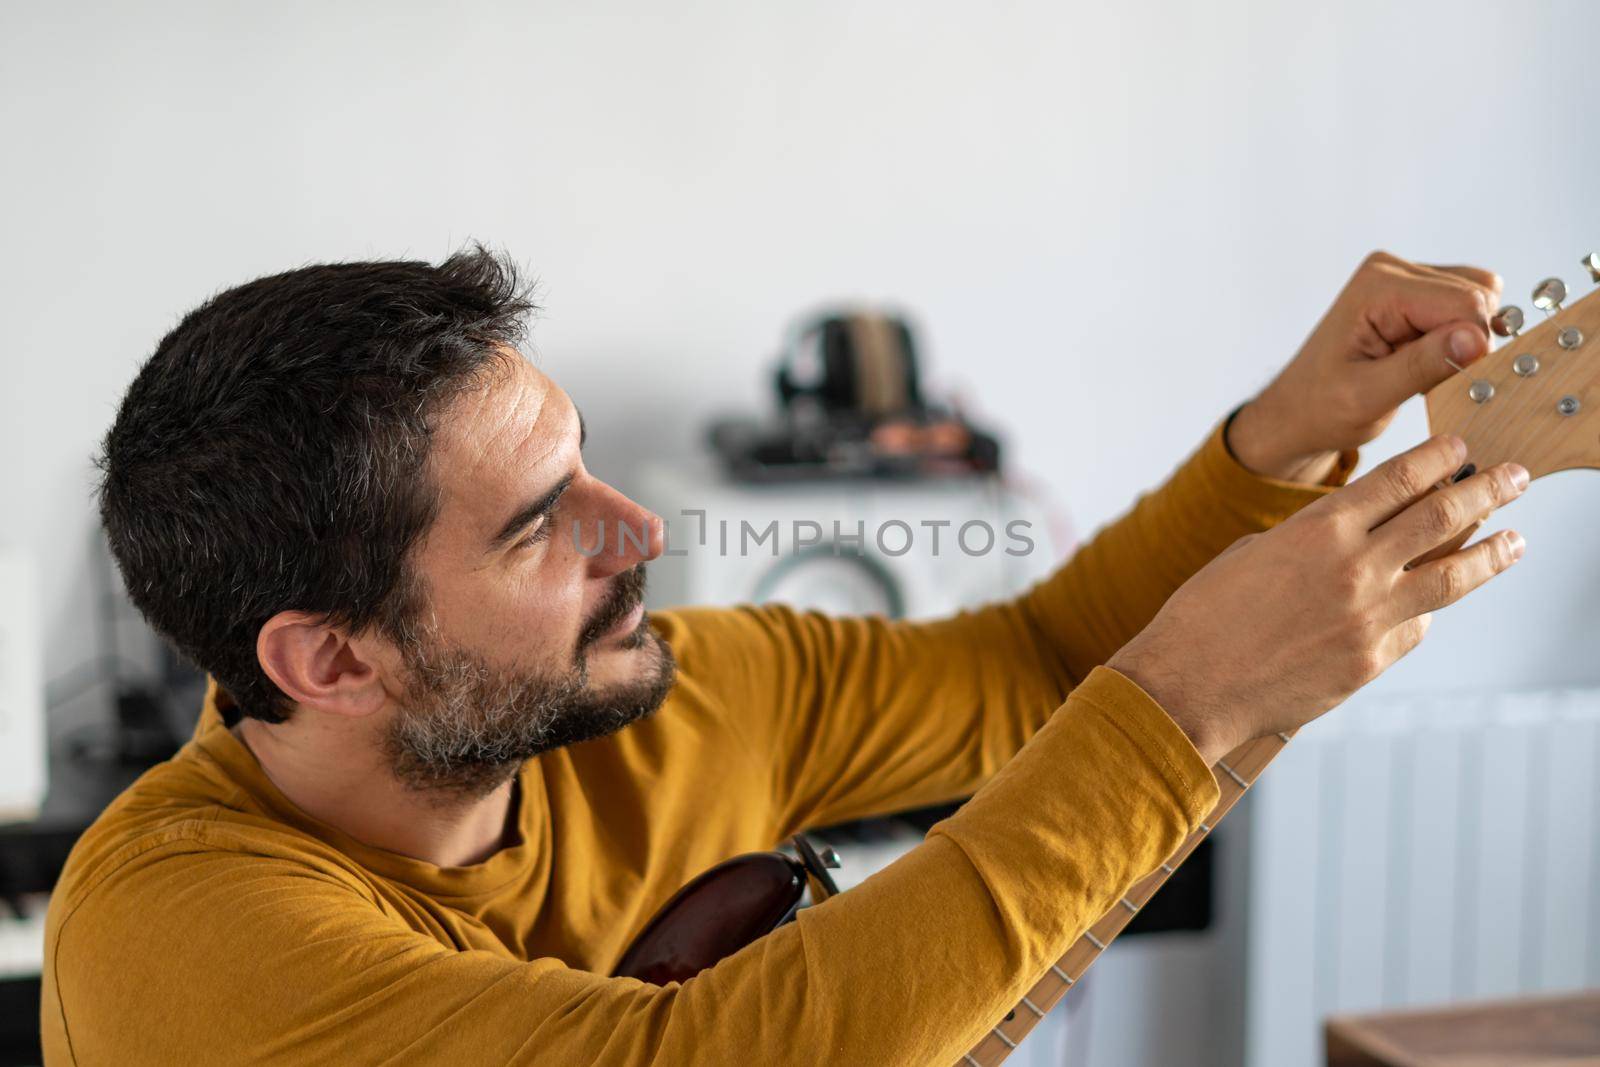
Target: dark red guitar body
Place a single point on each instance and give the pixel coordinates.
(721, 911)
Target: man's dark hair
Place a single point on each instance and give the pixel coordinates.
(272, 454)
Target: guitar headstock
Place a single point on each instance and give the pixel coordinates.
(1536, 399)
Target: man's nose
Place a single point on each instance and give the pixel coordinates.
(625, 533)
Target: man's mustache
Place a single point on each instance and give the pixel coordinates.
(627, 591)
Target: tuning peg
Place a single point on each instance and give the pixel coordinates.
(1507, 321)
(1548, 294)
(1591, 263)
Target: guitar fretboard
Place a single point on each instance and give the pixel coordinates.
(1236, 773)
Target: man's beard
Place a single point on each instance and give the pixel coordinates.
(466, 726)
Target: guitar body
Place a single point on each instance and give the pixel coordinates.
(714, 916)
(722, 910)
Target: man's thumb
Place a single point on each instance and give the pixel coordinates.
(1430, 359)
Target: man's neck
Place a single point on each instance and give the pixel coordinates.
(331, 775)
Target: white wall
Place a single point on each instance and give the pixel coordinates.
(1116, 220)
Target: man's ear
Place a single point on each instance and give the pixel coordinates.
(320, 666)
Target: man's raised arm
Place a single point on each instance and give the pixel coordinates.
(863, 716)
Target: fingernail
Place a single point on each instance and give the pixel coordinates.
(1459, 445)
(1518, 546)
(1519, 476)
(1465, 345)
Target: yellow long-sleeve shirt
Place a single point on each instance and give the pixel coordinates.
(204, 919)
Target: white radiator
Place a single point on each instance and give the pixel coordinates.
(1422, 850)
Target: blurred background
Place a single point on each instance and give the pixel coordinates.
(1111, 223)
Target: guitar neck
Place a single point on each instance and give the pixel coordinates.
(1235, 775)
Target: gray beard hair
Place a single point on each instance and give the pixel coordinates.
(466, 727)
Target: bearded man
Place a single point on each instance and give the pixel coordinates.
(449, 766)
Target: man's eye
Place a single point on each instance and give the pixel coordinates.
(540, 533)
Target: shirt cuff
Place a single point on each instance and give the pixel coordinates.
(1135, 713)
(1268, 500)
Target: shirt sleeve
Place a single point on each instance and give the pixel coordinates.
(198, 948)
(863, 715)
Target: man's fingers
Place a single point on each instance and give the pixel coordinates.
(1414, 304)
(1440, 551)
(1445, 581)
(1476, 275)
(1442, 515)
(1392, 486)
(1430, 359)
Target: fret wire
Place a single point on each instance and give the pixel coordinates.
(997, 1032)
(1031, 1006)
(1231, 773)
(1250, 769)
(1169, 868)
(968, 1057)
(1095, 941)
(1045, 1003)
(1130, 905)
(1063, 975)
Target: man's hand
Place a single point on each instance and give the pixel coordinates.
(1286, 624)
(1391, 334)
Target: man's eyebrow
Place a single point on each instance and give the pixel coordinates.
(529, 513)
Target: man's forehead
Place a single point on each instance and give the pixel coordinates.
(515, 430)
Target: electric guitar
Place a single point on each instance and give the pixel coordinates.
(1534, 400)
